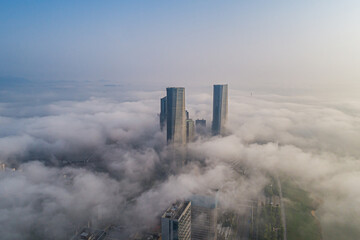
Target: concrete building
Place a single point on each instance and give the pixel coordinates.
(176, 118)
(220, 108)
(203, 218)
(176, 222)
(190, 130)
(163, 112)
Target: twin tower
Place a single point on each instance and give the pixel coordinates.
(179, 127)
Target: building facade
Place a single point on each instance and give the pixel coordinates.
(200, 123)
(203, 218)
(200, 126)
(163, 112)
(190, 130)
(220, 108)
(176, 117)
(176, 222)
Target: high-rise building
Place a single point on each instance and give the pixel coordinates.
(200, 123)
(190, 130)
(203, 218)
(175, 119)
(200, 126)
(220, 108)
(176, 222)
(163, 112)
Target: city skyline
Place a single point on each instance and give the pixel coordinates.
(203, 120)
(133, 140)
(172, 113)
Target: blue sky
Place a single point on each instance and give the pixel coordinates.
(246, 43)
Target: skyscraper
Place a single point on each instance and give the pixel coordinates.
(190, 130)
(200, 123)
(176, 119)
(163, 112)
(200, 126)
(176, 222)
(187, 114)
(220, 108)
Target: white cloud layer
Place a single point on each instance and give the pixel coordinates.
(314, 142)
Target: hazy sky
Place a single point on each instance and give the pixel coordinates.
(249, 44)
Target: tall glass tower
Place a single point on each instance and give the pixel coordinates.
(220, 108)
(176, 118)
(163, 112)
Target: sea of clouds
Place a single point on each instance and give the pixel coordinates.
(129, 178)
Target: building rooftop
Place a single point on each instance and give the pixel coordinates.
(175, 210)
(176, 87)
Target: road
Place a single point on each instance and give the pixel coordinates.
(282, 207)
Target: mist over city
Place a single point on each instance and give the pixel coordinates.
(185, 120)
